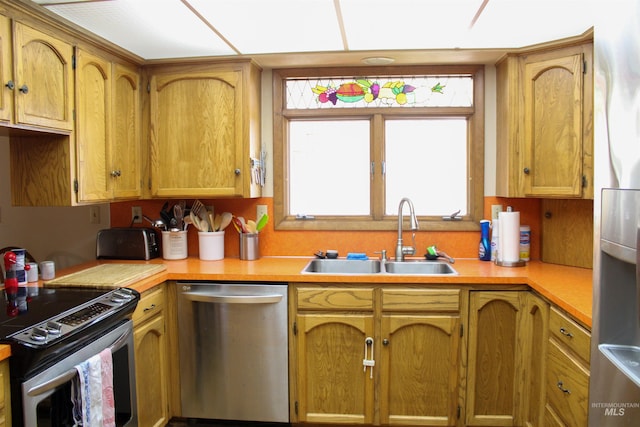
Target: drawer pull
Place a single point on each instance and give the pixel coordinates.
(151, 307)
(561, 387)
(566, 333)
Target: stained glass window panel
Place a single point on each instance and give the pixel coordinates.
(370, 92)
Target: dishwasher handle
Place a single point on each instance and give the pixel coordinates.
(232, 299)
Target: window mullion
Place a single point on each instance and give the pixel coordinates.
(377, 156)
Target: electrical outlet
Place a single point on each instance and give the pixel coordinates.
(260, 210)
(94, 214)
(495, 210)
(136, 214)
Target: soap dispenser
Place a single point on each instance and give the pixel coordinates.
(484, 250)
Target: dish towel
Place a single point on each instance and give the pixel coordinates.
(92, 392)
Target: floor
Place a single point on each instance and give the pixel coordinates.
(181, 422)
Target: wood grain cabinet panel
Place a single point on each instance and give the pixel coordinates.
(205, 130)
(545, 122)
(151, 358)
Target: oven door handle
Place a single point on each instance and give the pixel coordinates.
(68, 376)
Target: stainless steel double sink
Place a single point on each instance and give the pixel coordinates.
(374, 266)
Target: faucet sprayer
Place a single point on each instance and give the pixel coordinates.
(401, 250)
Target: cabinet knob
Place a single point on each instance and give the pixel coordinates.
(116, 173)
(11, 85)
(24, 89)
(526, 171)
(548, 215)
(237, 171)
(385, 342)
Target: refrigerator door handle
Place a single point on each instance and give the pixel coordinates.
(232, 299)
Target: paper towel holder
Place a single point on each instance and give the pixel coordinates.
(519, 263)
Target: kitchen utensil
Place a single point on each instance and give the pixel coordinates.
(216, 222)
(262, 222)
(239, 225)
(226, 220)
(178, 214)
(211, 219)
(251, 226)
(197, 222)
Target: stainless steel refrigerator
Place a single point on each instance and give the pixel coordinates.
(614, 393)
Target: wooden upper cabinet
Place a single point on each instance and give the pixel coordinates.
(126, 157)
(205, 130)
(107, 129)
(93, 134)
(6, 94)
(43, 79)
(553, 92)
(545, 123)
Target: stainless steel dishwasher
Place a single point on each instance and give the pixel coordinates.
(233, 351)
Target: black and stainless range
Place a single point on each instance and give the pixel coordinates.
(54, 331)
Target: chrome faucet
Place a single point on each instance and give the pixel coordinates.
(401, 250)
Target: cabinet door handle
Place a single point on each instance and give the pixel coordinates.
(11, 85)
(24, 89)
(561, 387)
(151, 307)
(385, 342)
(526, 171)
(566, 333)
(116, 173)
(237, 171)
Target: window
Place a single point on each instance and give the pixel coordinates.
(351, 143)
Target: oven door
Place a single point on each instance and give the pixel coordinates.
(46, 397)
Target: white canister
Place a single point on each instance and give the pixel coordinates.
(47, 270)
(211, 245)
(174, 244)
(32, 272)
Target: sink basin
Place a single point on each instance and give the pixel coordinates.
(343, 266)
(419, 267)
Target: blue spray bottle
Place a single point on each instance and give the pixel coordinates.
(484, 251)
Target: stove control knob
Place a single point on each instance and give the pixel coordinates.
(54, 328)
(121, 296)
(39, 334)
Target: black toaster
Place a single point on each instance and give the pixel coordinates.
(138, 243)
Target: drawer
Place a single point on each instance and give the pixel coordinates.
(353, 299)
(567, 385)
(151, 302)
(568, 332)
(421, 299)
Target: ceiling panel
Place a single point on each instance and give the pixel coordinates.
(160, 29)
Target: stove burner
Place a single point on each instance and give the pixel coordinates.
(71, 321)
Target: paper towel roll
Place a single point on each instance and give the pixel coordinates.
(509, 225)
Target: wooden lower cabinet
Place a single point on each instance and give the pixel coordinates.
(567, 372)
(151, 358)
(368, 355)
(5, 394)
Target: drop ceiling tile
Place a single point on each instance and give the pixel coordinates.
(149, 28)
(274, 26)
(406, 24)
(517, 23)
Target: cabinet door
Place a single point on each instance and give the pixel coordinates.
(535, 335)
(6, 75)
(197, 134)
(44, 79)
(496, 359)
(126, 162)
(151, 372)
(93, 123)
(553, 126)
(333, 386)
(419, 369)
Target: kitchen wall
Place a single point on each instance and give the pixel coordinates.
(66, 234)
(62, 234)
